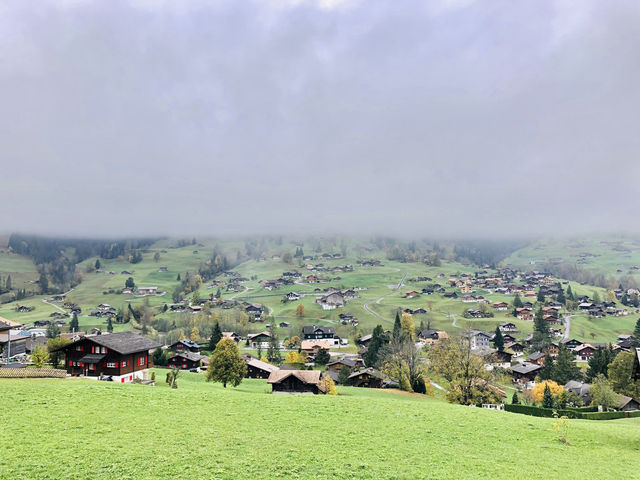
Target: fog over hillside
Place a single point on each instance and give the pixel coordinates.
(452, 117)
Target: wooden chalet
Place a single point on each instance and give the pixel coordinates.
(185, 345)
(318, 333)
(367, 377)
(261, 339)
(122, 356)
(232, 335)
(337, 365)
(186, 360)
(296, 381)
(525, 372)
(257, 368)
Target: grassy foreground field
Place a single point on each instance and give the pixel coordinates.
(81, 429)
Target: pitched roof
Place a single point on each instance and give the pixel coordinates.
(187, 343)
(344, 361)
(310, 377)
(311, 344)
(312, 329)
(525, 368)
(368, 371)
(259, 364)
(123, 342)
(192, 356)
(11, 323)
(251, 336)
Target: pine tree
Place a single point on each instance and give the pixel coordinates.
(565, 368)
(74, 324)
(498, 340)
(636, 335)
(216, 336)
(546, 372)
(397, 328)
(7, 284)
(343, 376)
(178, 278)
(547, 399)
(273, 352)
(517, 303)
(540, 295)
(560, 297)
(570, 295)
(378, 339)
(97, 264)
(109, 325)
(514, 399)
(322, 357)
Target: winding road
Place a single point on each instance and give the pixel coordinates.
(395, 289)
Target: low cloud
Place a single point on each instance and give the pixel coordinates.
(451, 118)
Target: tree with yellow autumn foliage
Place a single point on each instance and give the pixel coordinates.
(537, 393)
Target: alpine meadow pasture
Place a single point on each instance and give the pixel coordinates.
(83, 429)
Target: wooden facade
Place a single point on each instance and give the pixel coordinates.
(122, 356)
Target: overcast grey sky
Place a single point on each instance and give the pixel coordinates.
(440, 117)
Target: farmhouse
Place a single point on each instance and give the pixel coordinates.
(318, 333)
(331, 301)
(368, 377)
(296, 381)
(147, 290)
(500, 305)
(232, 335)
(184, 346)
(122, 356)
(186, 360)
(411, 294)
(257, 368)
(525, 372)
(584, 352)
(261, 339)
(337, 365)
(11, 344)
(507, 327)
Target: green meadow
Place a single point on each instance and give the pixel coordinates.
(83, 429)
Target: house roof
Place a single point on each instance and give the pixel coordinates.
(535, 356)
(310, 377)
(624, 401)
(310, 344)
(259, 364)
(251, 336)
(307, 330)
(368, 371)
(187, 343)
(123, 342)
(192, 356)
(525, 368)
(11, 323)
(344, 361)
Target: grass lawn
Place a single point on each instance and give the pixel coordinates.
(82, 429)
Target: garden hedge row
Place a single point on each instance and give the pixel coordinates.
(569, 413)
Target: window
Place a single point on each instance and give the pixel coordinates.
(79, 348)
(124, 363)
(141, 361)
(112, 364)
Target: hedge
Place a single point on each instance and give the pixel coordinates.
(569, 413)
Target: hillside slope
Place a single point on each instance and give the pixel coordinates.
(82, 429)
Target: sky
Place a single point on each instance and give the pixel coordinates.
(446, 117)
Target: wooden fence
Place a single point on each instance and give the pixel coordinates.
(32, 373)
